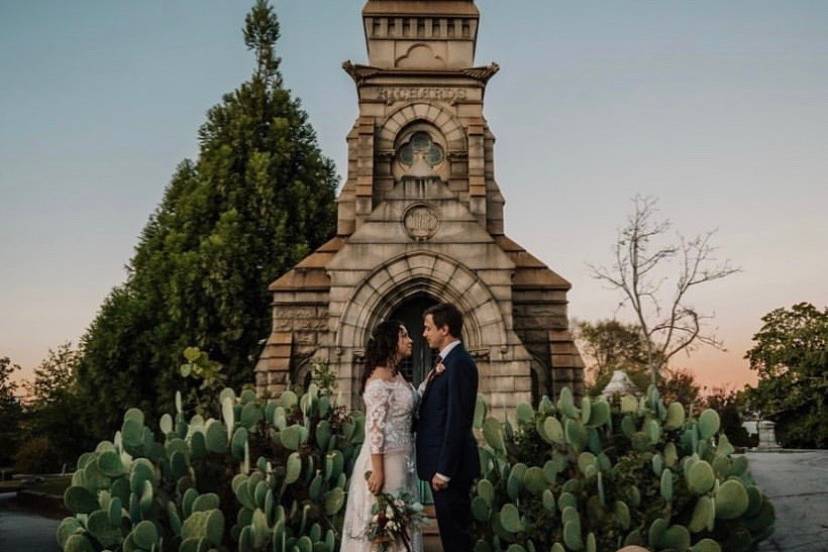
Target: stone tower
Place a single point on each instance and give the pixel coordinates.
(420, 221)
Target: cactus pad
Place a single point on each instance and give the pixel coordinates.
(709, 423)
(677, 538)
(700, 477)
(80, 500)
(510, 518)
(703, 512)
(731, 500)
(481, 509)
(145, 535)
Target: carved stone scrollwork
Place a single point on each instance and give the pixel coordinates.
(482, 74)
(421, 222)
(360, 72)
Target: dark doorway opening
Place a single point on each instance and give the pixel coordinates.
(410, 313)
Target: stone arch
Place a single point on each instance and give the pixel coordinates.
(431, 112)
(301, 372)
(422, 272)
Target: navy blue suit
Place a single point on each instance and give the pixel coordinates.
(446, 444)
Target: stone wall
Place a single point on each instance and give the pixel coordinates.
(300, 330)
(541, 323)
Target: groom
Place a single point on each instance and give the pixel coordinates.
(447, 454)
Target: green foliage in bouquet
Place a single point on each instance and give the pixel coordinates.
(192, 484)
(599, 476)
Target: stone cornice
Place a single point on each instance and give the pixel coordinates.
(436, 8)
(361, 73)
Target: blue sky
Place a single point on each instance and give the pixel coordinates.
(718, 108)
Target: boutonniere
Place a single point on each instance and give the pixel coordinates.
(438, 371)
(433, 375)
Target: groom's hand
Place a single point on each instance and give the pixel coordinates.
(438, 484)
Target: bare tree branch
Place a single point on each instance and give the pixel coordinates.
(641, 254)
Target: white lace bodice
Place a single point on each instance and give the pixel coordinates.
(389, 408)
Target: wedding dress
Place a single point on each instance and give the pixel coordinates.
(389, 408)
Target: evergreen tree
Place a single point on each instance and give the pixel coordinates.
(259, 198)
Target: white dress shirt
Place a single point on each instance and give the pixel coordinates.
(447, 349)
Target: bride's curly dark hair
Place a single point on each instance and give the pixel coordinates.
(381, 349)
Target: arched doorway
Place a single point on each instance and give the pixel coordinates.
(410, 313)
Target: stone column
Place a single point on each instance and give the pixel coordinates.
(767, 435)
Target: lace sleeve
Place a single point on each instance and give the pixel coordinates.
(377, 399)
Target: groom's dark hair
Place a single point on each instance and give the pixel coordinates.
(446, 314)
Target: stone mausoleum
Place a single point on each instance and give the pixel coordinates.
(421, 221)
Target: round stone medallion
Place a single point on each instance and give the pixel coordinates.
(421, 222)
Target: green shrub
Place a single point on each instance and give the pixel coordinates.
(36, 456)
(599, 476)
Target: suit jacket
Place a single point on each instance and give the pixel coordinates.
(445, 442)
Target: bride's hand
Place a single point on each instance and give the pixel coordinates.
(375, 482)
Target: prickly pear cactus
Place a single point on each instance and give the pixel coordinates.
(590, 475)
(263, 474)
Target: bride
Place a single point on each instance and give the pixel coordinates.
(388, 449)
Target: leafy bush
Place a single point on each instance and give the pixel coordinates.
(55, 409)
(604, 475)
(11, 411)
(35, 456)
(196, 487)
(790, 356)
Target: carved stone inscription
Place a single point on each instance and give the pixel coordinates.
(402, 94)
(421, 222)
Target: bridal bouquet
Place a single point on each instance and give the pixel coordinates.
(391, 518)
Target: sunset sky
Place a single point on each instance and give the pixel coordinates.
(719, 109)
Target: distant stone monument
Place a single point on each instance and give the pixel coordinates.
(767, 435)
(421, 221)
(620, 384)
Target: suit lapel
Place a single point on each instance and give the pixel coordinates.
(449, 357)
